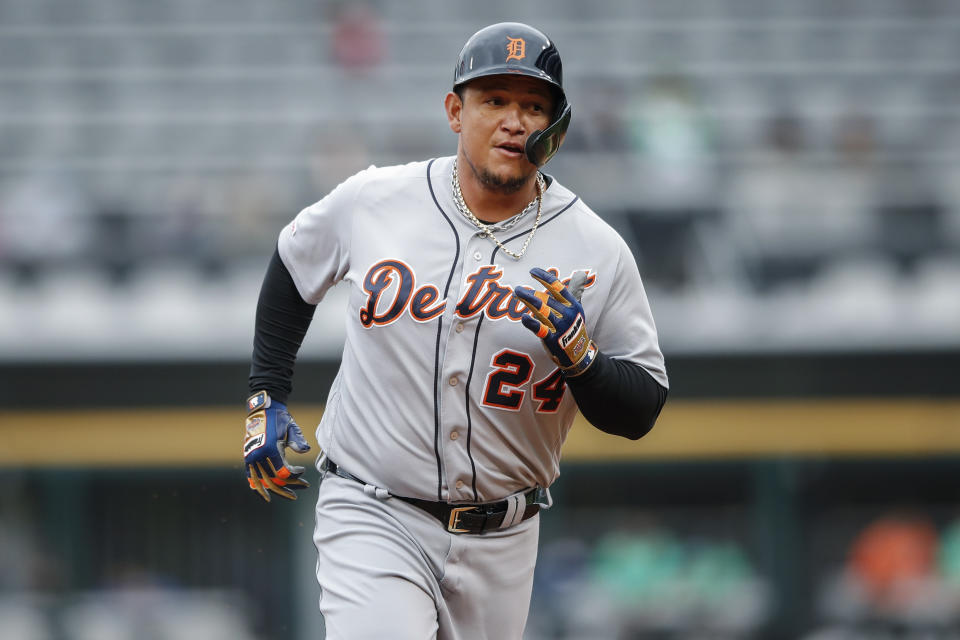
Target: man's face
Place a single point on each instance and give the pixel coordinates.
(494, 120)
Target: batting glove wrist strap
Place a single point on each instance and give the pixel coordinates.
(585, 361)
(269, 431)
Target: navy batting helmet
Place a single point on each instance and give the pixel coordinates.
(513, 47)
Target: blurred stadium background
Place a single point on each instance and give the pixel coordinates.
(787, 171)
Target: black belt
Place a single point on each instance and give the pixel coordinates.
(461, 518)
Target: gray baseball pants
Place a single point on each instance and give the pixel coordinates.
(387, 569)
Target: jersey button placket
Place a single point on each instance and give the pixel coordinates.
(459, 348)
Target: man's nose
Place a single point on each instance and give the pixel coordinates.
(512, 122)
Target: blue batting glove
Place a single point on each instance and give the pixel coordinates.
(556, 317)
(270, 429)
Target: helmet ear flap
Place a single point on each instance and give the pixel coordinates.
(541, 145)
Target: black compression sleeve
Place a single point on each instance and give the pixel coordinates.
(282, 321)
(618, 397)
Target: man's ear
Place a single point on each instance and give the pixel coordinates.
(454, 107)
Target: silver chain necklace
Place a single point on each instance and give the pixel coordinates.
(486, 229)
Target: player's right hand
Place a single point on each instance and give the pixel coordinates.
(270, 429)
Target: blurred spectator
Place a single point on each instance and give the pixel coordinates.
(851, 190)
(672, 142)
(638, 568)
(639, 583)
(358, 39)
(891, 555)
(890, 577)
(660, 580)
(673, 183)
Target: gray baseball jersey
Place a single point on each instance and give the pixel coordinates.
(442, 394)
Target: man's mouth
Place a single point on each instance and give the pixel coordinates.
(511, 147)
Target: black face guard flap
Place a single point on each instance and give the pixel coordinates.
(541, 145)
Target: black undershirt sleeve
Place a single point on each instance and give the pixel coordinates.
(618, 397)
(283, 318)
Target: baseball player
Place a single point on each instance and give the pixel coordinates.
(487, 305)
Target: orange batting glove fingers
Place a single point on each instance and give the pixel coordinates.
(255, 483)
(555, 287)
(536, 303)
(270, 483)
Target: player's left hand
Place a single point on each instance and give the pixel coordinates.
(556, 317)
(270, 429)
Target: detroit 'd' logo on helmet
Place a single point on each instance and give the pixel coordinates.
(392, 292)
(516, 49)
